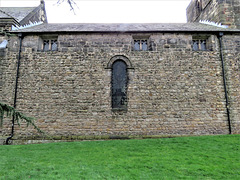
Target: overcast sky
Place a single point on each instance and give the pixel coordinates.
(110, 11)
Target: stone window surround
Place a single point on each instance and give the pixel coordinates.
(119, 57)
(204, 42)
(129, 75)
(50, 39)
(141, 38)
(199, 45)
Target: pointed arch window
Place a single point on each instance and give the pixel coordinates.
(119, 85)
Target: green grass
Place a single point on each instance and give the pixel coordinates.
(206, 157)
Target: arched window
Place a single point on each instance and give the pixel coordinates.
(119, 85)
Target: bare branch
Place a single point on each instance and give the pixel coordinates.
(70, 2)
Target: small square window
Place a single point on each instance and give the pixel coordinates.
(199, 45)
(203, 42)
(48, 43)
(140, 45)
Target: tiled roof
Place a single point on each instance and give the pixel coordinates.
(19, 13)
(4, 15)
(134, 27)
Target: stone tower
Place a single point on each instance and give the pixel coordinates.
(226, 12)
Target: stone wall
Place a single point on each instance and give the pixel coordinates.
(8, 62)
(8, 66)
(172, 90)
(232, 59)
(219, 11)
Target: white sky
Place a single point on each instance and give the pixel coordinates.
(110, 11)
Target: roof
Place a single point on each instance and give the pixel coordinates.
(124, 27)
(18, 13)
(4, 15)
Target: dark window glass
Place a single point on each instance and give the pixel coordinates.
(199, 45)
(144, 45)
(137, 45)
(119, 85)
(54, 45)
(140, 45)
(195, 45)
(50, 45)
(46, 45)
(203, 45)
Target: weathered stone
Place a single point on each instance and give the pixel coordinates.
(218, 11)
(178, 95)
(172, 90)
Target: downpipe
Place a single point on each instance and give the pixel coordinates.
(220, 35)
(8, 140)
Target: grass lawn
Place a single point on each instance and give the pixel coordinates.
(206, 157)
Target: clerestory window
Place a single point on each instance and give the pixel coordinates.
(199, 45)
(202, 42)
(50, 45)
(140, 45)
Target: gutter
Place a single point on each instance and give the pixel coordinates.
(220, 35)
(226, 31)
(8, 140)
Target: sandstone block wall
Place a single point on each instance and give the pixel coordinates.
(232, 59)
(8, 62)
(172, 90)
(219, 11)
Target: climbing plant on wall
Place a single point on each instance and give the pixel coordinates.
(9, 111)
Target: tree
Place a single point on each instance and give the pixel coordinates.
(10, 111)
